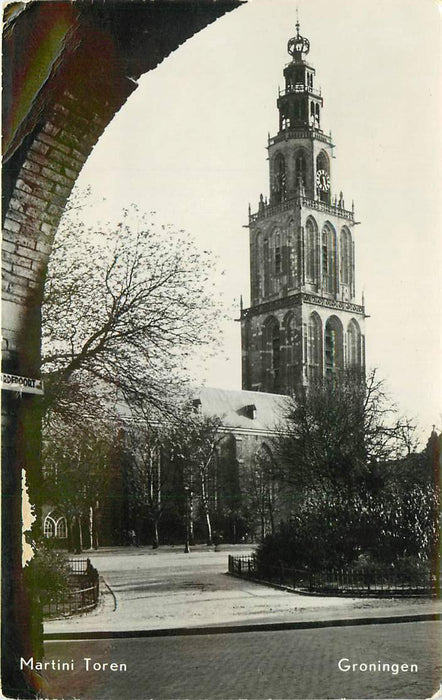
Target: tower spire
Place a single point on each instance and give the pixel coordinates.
(298, 44)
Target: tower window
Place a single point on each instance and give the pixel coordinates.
(292, 351)
(300, 169)
(276, 357)
(353, 344)
(329, 261)
(272, 348)
(265, 255)
(333, 346)
(314, 347)
(323, 170)
(346, 261)
(311, 252)
(278, 258)
(279, 179)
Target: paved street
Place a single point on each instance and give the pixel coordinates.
(286, 665)
(167, 588)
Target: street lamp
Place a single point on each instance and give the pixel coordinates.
(186, 495)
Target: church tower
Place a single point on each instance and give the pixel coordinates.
(303, 322)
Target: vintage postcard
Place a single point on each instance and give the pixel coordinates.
(221, 423)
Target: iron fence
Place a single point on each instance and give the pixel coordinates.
(335, 581)
(83, 593)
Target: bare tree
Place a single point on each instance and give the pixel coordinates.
(76, 459)
(148, 475)
(193, 439)
(124, 306)
(339, 432)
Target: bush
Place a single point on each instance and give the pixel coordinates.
(48, 574)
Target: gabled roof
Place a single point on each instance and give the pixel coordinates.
(246, 411)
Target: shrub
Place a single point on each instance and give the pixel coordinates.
(48, 574)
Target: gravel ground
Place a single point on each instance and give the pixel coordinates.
(143, 589)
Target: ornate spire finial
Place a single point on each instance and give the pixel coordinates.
(298, 45)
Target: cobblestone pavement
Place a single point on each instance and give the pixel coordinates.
(255, 665)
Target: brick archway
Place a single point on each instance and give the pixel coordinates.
(67, 69)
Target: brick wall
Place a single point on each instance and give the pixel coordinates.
(67, 69)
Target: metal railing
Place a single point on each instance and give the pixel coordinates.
(299, 88)
(83, 594)
(335, 581)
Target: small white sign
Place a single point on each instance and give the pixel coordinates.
(26, 385)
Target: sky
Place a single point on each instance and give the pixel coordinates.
(190, 144)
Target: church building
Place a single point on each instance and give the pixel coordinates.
(303, 322)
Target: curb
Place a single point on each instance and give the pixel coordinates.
(323, 594)
(231, 629)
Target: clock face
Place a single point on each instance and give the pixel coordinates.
(322, 181)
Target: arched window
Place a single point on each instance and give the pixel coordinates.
(256, 267)
(247, 353)
(266, 266)
(333, 346)
(279, 179)
(311, 251)
(323, 183)
(317, 116)
(272, 349)
(300, 169)
(278, 253)
(314, 347)
(312, 114)
(62, 530)
(49, 527)
(329, 260)
(276, 358)
(322, 162)
(292, 350)
(346, 257)
(353, 344)
(55, 525)
(290, 253)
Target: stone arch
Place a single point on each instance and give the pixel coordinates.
(333, 346)
(67, 69)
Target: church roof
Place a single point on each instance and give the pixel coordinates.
(245, 411)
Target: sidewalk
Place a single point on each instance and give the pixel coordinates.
(148, 591)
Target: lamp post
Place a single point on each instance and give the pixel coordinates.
(186, 495)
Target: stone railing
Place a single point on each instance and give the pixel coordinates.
(286, 134)
(271, 209)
